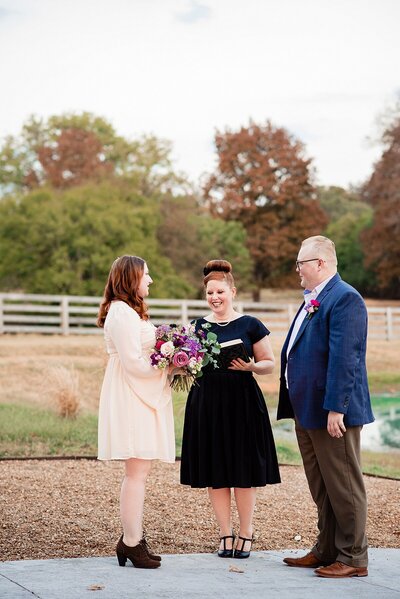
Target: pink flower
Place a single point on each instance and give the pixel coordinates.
(311, 307)
(159, 343)
(180, 359)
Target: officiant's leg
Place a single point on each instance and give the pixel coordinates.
(245, 503)
(221, 504)
(339, 461)
(324, 548)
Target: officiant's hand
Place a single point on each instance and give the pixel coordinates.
(239, 364)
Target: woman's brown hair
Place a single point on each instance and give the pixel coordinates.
(218, 270)
(122, 284)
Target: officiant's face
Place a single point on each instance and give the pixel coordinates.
(220, 296)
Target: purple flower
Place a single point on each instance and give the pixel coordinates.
(162, 331)
(178, 340)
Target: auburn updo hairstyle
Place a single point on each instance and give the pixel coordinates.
(218, 270)
(122, 284)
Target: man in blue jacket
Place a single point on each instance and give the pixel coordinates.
(324, 388)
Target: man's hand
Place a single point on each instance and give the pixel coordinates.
(335, 427)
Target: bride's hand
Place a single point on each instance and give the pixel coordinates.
(174, 371)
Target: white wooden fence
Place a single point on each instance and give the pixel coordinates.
(74, 314)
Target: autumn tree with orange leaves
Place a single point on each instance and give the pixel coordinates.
(74, 158)
(382, 240)
(264, 180)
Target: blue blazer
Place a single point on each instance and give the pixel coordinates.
(326, 363)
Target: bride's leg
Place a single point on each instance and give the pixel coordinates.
(132, 499)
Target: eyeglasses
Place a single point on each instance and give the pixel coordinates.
(299, 263)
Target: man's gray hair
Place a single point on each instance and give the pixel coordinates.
(323, 246)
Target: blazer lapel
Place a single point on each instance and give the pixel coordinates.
(328, 287)
(301, 331)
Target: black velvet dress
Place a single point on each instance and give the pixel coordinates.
(227, 436)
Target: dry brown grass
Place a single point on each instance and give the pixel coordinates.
(63, 389)
(25, 361)
(382, 357)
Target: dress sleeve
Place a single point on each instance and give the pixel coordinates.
(148, 383)
(257, 330)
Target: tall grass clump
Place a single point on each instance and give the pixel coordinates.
(64, 388)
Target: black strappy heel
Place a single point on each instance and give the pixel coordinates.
(226, 552)
(239, 553)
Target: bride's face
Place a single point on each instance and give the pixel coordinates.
(220, 296)
(146, 280)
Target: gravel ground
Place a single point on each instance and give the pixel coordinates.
(53, 509)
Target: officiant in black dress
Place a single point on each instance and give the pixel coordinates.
(227, 438)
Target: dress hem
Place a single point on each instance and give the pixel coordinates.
(258, 486)
(166, 460)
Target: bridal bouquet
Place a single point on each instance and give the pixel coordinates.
(185, 349)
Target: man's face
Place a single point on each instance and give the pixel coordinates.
(308, 266)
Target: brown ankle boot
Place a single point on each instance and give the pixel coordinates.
(137, 554)
(149, 553)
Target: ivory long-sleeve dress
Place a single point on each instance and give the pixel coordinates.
(135, 412)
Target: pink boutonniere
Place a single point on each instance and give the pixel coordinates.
(311, 307)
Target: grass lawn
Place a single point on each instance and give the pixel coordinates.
(30, 426)
(29, 431)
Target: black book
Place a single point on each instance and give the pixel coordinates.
(230, 350)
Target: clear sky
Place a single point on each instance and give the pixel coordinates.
(323, 69)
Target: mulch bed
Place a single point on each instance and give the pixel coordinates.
(68, 508)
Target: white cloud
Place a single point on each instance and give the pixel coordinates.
(196, 11)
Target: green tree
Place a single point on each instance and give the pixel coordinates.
(337, 202)
(227, 240)
(346, 233)
(65, 241)
(348, 217)
(190, 237)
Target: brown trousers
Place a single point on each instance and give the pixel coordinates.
(334, 475)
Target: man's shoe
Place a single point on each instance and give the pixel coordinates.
(340, 570)
(307, 561)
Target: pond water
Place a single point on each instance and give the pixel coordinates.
(384, 433)
(381, 435)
